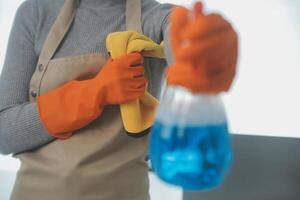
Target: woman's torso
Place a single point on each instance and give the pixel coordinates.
(100, 161)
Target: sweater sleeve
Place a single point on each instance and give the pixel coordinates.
(20, 126)
(157, 18)
(167, 44)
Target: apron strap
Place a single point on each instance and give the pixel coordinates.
(134, 23)
(57, 32)
(66, 16)
(134, 15)
(59, 29)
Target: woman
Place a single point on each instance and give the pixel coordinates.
(51, 44)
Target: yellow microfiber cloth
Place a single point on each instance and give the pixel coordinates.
(137, 115)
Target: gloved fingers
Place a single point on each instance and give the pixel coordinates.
(134, 59)
(128, 60)
(217, 84)
(205, 48)
(198, 9)
(179, 19)
(135, 91)
(198, 79)
(137, 71)
(222, 58)
(216, 61)
(198, 83)
(137, 82)
(187, 75)
(204, 26)
(225, 69)
(180, 73)
(222, 64)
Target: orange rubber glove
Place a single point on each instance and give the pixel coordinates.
(205, 51)
(77, 103)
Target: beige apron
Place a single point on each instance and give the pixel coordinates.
(100, 162)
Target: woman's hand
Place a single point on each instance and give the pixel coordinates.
(77, 103)
(122, 79)
(205, 50)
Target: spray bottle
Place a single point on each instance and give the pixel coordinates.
(190, 144)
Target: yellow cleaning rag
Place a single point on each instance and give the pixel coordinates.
(137, 115)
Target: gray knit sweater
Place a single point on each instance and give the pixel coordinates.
(20, 126)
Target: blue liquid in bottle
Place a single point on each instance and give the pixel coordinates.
(190, 146)
(192, 157)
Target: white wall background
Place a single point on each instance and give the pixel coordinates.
(265, 97)
(8, 166)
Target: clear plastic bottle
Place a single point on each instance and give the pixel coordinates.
(190, 145)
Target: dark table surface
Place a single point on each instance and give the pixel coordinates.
(264, 168)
